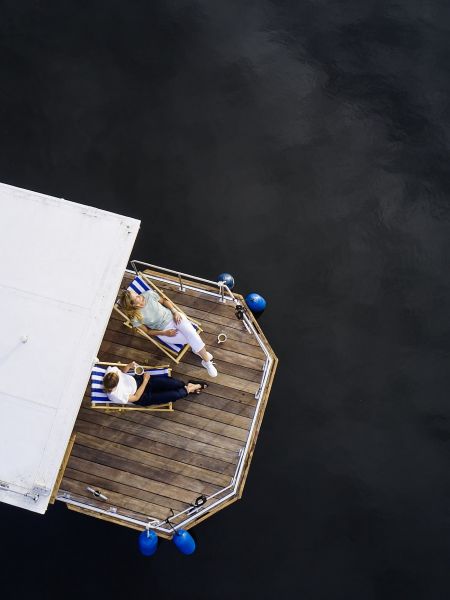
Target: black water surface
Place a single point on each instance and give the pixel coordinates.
(303, 146)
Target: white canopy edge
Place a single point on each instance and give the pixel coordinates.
(61, 267)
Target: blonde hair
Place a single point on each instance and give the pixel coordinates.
(126, 304)
(110, 381)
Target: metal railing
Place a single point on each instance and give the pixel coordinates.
(221, 285)
(191, 512)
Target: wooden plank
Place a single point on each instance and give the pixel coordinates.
(89, 467)
(239, 334)
(232, 407)
(231, 351)
(157, 473)
(123, 353)
(213, 388)
(107, 486)
(110, 351)
(62, 468)
(215, 319)
(121, 442)
(131, 337)
(196, 428)
(195, 421)
(158, 482)
(234, 368)
(212, 440)
(235, 329)
(139, 426)
(229, 381)
(124, 504)
(213, 414)
(161, 448)
(224, 404)
(235, 353)
(208, 304)
(233, 365)
(111, 519)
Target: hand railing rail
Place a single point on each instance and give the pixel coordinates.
(221, 285)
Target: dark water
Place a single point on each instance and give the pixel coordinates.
(304, 147)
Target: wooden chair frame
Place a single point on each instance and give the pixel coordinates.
(176, 357)
(168, 407)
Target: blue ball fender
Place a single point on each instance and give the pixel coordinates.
(229, 279)
(184, 541)
(256, 303)
(148, 542)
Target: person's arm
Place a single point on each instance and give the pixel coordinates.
(135, 397)
(177, 315)
(167, 332)
(128, 367)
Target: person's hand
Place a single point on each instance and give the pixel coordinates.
(170, 332)
(146, 377)
(177, 316)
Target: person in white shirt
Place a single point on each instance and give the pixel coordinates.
(159, 316)
(145, 390)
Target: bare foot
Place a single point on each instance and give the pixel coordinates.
(193, 388)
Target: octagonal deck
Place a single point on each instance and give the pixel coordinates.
(151, 465)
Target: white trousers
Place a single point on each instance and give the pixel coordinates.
(186, 334)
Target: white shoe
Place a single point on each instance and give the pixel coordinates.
(209, 366)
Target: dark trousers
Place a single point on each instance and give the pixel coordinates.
(160, 389)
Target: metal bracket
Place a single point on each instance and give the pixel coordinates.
(239, 312)
(97, 493)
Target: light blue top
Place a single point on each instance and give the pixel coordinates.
(154, 314)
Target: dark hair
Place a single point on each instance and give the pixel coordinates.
(110, 381)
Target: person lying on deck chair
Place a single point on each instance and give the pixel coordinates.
(146, 390)
(158, 316)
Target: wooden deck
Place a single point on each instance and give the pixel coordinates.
(151, 465)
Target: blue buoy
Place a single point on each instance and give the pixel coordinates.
(148, 542)
(256, 304)
(229, 279)
(184, 541)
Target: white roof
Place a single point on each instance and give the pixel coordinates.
(61, 265)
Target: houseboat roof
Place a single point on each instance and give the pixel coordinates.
(62, 264)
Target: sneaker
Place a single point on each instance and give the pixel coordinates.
(209, 366)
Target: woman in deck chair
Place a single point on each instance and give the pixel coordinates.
(158, 316)
(144, 390)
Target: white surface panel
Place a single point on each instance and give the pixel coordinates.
(61, 265)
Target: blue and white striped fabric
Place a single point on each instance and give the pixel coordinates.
(98, 394)
(139, 286)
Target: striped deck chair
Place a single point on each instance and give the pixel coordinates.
(141, 283)
(99, 398)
